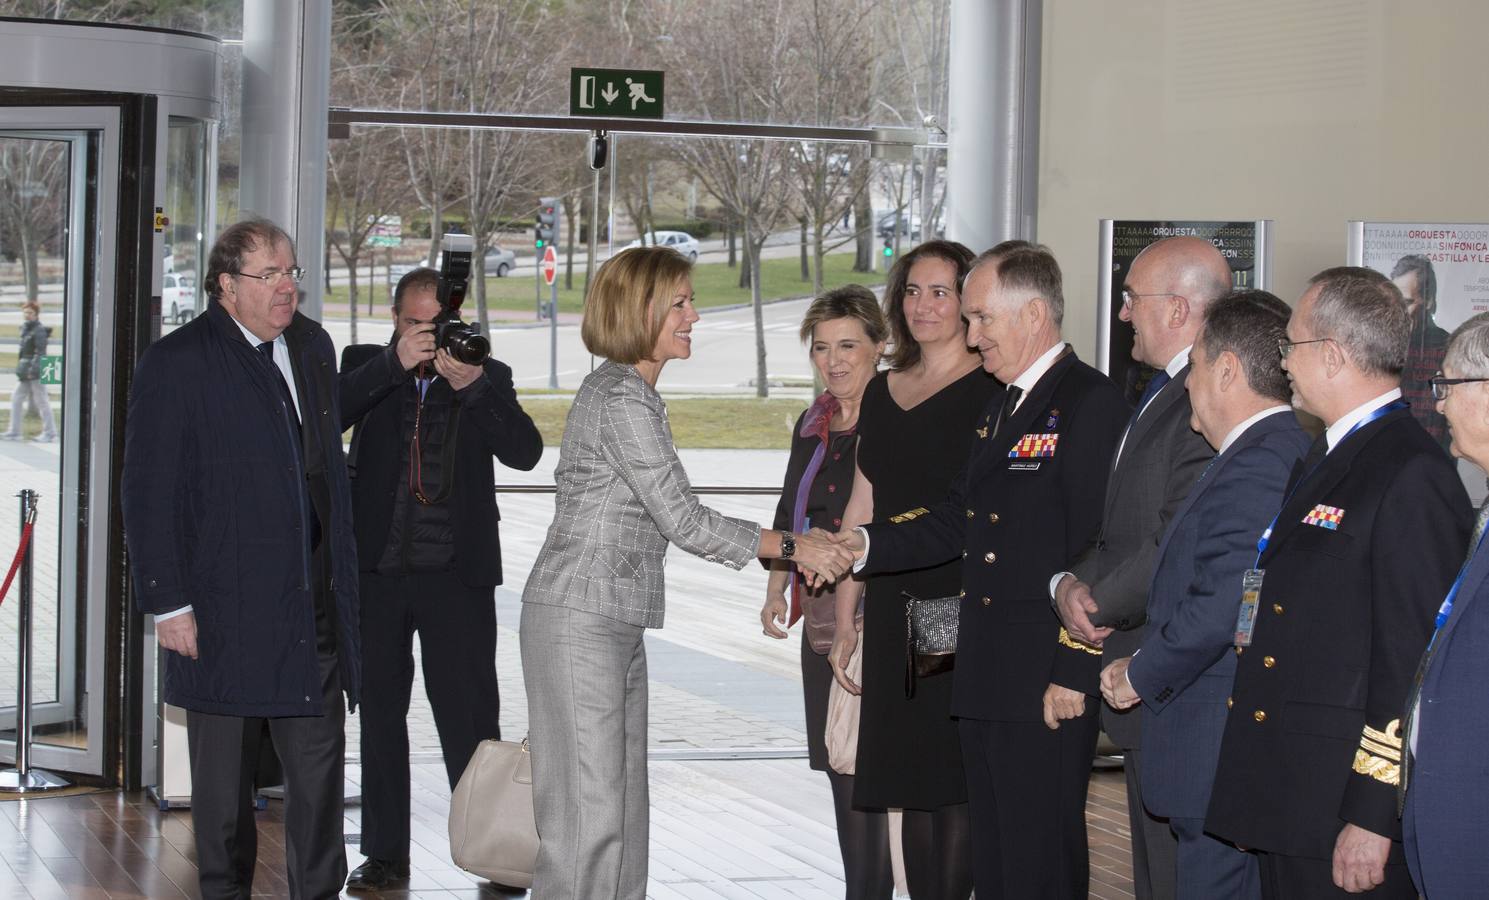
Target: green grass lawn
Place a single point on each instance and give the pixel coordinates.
(714, 284)
(729, 423)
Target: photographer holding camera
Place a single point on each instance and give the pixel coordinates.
(430, 410)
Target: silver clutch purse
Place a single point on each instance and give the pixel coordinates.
(930, 636)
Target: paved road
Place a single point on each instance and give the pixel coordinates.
(723, 358)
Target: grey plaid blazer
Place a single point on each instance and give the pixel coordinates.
(622, 497)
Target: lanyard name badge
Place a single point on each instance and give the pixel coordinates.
(1251, 579)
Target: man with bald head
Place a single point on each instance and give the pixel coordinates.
(1102, 599)
(1026, 504)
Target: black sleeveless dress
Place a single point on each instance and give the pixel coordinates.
(909, 755)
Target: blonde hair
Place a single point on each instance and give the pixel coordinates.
(628, 302)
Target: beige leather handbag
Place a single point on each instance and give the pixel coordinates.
(842, 716)
(492, 830)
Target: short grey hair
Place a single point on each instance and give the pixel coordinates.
(1362, 311)
(1024, 266)
(1468, 348)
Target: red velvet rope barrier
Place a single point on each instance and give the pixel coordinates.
(16, 563)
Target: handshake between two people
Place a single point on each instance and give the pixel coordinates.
(824, 557)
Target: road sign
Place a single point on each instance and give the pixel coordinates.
(624, 93)
(550, 265)
(387, 231)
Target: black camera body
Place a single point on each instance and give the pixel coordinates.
(465, 342)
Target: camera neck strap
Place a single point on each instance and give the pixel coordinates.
(447, 449)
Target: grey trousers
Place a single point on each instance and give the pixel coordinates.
(34, 393)
(586, 702)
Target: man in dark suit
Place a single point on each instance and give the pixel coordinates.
(1184, 670)
(237, 514)
(1360, 554)
(1026, 504)
(427, 428)
(1165, 296)
(1447, 715)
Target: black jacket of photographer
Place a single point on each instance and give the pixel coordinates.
(381, 399)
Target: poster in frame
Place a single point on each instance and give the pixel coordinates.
(1442, 270)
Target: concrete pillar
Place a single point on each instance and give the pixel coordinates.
(993, 121)
(286, 93)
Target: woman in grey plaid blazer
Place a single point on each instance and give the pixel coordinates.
(597, 584)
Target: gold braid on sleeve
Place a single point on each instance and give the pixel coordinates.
(1067, 641)
(1379, 756)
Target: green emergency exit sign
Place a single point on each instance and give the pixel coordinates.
(620, 93)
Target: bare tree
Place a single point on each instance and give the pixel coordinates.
(745, 78)
(834, 86)
(497, 52)
(921, 31)
(32, 189)
(411, 30)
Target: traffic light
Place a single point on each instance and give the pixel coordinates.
(543, 226)
(888, 248)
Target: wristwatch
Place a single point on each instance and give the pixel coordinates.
(788, 545)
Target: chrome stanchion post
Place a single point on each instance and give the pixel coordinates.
(23, 779)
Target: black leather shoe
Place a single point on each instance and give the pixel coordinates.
(378, 874)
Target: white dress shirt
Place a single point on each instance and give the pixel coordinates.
(1346, 423)
(1240, 429)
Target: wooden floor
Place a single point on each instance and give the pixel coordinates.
(738, 829)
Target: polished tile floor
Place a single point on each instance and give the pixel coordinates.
(737, 829)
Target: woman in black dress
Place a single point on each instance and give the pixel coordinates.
(916, 431)
(846, 331)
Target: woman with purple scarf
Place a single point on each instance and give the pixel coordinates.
(845, 330)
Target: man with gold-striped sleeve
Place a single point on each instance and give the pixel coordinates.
(1337, 611)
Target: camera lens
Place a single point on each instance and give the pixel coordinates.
(469, 347)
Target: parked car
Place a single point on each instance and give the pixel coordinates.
(909, 225)
(498, 263)
(178, 296)
(680, 241)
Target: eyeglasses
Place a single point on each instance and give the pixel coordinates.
(1129, 299)
(1285, 346)
(1440, 384)
(272, 279)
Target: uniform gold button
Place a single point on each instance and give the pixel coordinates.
(1269, 661)
(992, 518)
(1240, 650)
(962, 594)
(987, 601)
(1260, 715)
(990, 557)
(1277, 608)
(964, 554)
(969, 513)
(1229, 702)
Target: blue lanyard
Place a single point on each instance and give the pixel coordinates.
(1447, 604)
(1261, 545)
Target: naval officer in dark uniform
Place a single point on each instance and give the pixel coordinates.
(1026, 504)
(1350, 573)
